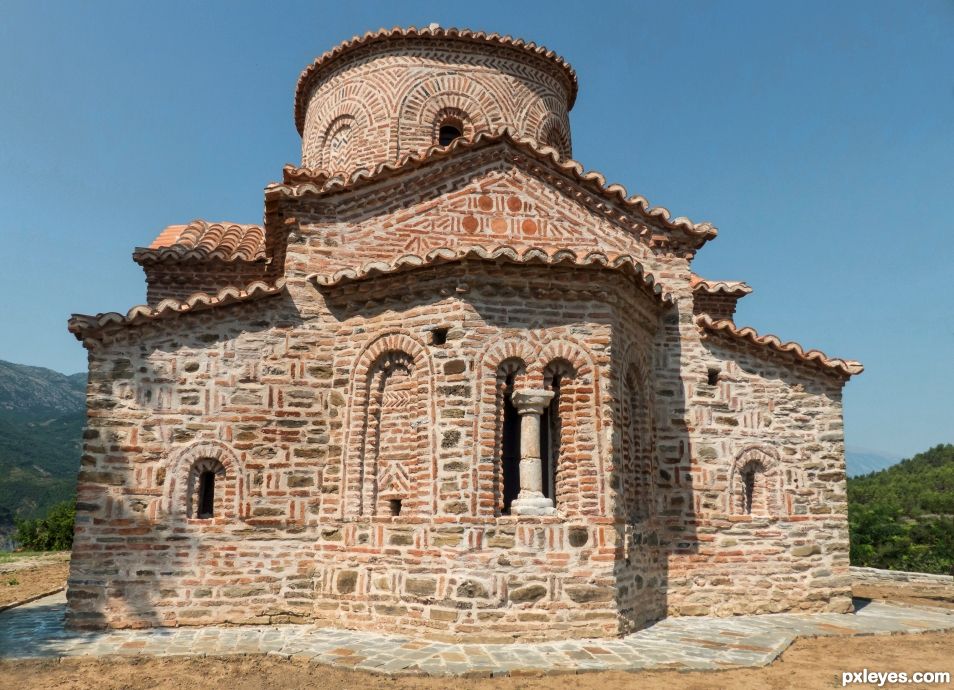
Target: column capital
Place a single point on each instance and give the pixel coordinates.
(531, 401)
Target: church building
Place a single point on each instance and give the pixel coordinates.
(453, 386)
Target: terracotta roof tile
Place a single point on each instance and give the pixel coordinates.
(736, 288)
(501, 254)
(304, 181)
(843, 367)
(433, 31)
(202, 241)
(82, 325)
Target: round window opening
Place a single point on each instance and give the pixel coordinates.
(448, 133)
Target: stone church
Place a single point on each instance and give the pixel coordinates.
(454, 385)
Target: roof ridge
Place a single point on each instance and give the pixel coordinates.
(382, 35)
(319, 181)
(81, 325)
(845, 367)
(503, 252)
(736, 288)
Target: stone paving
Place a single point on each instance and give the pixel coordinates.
(36, 630)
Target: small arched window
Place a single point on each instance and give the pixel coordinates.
(206, 494)
(448, 132)
(205, 498)
(752, 488)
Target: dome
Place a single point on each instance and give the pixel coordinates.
(381, 96)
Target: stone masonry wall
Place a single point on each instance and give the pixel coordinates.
(766, 412)
(267, 390)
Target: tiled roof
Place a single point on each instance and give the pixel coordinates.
(201, 240)
(310, 73)
(304, 181)
(724, 327)
(501, 254)
(736, 288)
(82, 325)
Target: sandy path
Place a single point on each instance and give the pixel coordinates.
(32, 579)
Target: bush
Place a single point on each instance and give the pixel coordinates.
(51, 533)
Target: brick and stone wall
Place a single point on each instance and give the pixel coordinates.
(277, 396)
(782, 419)
(352, 429)
(371, 107)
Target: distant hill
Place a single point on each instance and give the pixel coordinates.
(42, 413)
(902, 517)
(862, 461)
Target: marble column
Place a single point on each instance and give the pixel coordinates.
(530, 404)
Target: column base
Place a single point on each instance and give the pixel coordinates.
(535, 503)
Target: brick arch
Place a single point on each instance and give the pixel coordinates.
(580, 484)
(553, 132)
(493, 362)
(480, 101)
(356, 100)
(338, 156)
(233, 488)
(543, 115)
(364, 400)
(764, 460)
(635, 437)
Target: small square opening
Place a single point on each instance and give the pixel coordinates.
(394, 505)
(713, 377)
(439, 336)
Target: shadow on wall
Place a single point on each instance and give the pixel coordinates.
(153, 394)
(655, 512)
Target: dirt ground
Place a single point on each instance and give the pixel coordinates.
(816, 663)
(809, 663)
(25, 577)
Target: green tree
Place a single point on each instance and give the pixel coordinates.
(902, 518)
(51, 533)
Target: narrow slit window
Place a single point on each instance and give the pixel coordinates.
(206, 494)
(713, 377)
(511, 448)
(748, 486)
(550, 440)
(395, 506)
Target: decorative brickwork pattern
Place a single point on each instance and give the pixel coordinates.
(343, 416)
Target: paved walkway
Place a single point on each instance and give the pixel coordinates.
(695, 643)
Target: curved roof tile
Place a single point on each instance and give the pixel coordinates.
(302, 181)
(502, 253)
(735, 288)
(310, 73)
(843, 367)
(202, 240)
(82, 325)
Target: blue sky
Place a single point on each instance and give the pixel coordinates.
(818, 137)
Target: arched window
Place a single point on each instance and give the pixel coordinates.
(755, 483)
(556, 374)
(748, 488)
(448, 133)
(449, 124)
(205, 502)
(752, 489)
(509, 427)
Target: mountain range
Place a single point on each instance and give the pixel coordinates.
(42, 413)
